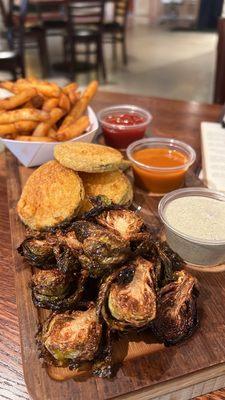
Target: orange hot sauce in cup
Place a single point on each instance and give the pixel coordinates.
(159, 165)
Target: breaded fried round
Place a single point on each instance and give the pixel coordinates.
(114, 185)
(89, 157)
(51, 196)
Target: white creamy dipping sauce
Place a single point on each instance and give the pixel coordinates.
(197, 217)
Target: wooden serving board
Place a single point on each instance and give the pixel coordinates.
(149, 370)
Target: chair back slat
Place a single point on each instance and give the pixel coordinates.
(121, 11)
(86, 12)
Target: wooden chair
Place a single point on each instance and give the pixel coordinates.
(11, 59)
(219, 88)
(115, 31)
(25, 30)
(54, 16)
(85, 21)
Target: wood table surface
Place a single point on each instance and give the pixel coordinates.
(171, 118)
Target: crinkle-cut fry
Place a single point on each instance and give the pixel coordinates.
(74, 130)
(25, 126)
(7, 129)
(75, 113)
(48, 89)
(43, 128)
(8, 85)
(70, 87)
(64, 102)
(51, 103)
(26, 138)
(23, 114)
(18, 99)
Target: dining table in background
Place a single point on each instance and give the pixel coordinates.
(171, 118)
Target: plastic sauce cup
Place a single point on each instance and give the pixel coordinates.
(123, 124)
(195, 251)
(161, 176)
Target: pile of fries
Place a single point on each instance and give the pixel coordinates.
(43, 111)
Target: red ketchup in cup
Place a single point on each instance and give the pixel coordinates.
(123, 124)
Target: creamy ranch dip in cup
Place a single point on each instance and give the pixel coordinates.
(194, 221)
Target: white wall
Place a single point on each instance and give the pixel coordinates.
(147, 11)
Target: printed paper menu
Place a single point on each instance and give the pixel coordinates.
(213, 155)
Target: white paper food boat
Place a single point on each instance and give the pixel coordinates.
(32, 154)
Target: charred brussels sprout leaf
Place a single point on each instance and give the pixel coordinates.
(37, 252)
(102, 249)
(126, 223)
(166, 263)
(100, 203)
(65, 259)
(127, 298)
(70, 338)
(177, 310)
(55, 290)
(102, 366)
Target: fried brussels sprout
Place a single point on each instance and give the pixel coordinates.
(70, 338)
(166, 262)
(100, 203)
(55, 290)
(38, 252)
(102, 249)
(177, 309)
(66, 261)
(127, 298)
(125, 222)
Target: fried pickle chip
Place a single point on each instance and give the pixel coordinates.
(52, 195)
(114, 185)
(89, 157)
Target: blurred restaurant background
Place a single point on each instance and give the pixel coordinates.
(164, 48)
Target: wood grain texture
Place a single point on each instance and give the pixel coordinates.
(147, 366)
(171, 118)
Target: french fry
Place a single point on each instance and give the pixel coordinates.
(23, 114)
(70, 87)
(28, 104)
(74, 97)
(25, 126)
(34, 139)
(47, 89)
(64, 102)
(74, 130)
(10, 136)
(90, 91)
(35, 111)
(17, 100)
(8, 85)
(42, 129)
(49, 104)
(32, 79)
(81, 105)
(75, 113)
(7, 129)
